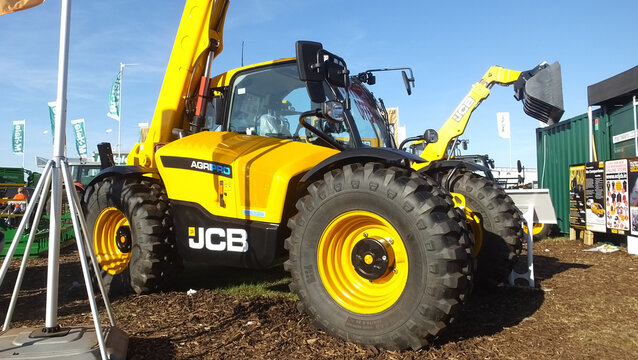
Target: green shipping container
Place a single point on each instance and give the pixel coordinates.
(564, 144)
(621, 127)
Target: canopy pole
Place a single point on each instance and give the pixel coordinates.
(591, 134)
(635, 128)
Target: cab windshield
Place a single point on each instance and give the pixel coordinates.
(268, 101)
(367, 116)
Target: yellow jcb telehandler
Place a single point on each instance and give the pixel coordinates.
(269, 164)
(495, 221)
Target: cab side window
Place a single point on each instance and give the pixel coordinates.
(257, 104)
(212, 122)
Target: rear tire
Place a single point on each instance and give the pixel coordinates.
(403, 305)
(501, 225)
(130, 226)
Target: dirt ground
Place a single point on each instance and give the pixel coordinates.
(584, 306)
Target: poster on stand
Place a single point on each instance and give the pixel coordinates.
(633, 194)
(617, 195)
(595, 196)
(577, 196)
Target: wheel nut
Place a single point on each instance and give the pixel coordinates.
(368, 259)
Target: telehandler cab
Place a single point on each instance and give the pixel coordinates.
(269, 164)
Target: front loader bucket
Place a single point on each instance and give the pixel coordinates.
(542, 94)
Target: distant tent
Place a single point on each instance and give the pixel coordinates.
(617, 90)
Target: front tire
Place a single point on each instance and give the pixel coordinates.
(130, 225)
(378, 256)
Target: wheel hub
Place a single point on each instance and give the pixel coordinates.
(371, 258)
(123, 239)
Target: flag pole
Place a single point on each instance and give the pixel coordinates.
(24, 143)
(510, 141)
(119, 125)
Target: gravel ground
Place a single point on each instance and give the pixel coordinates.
(584, 306)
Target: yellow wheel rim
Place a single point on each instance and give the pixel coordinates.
(111, 239)
(536, 229)
(477, 230)
(472, 220)
(338, 274)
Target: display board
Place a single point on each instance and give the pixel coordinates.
(633, 194)
(617, 195)
(577, 196)
(595, 196)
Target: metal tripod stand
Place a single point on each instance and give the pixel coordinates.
(52, 341)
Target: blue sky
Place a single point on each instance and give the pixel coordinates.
(449, 45)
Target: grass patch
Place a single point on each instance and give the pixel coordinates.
(237, 282)
(268, 289)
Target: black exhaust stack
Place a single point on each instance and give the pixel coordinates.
(106, 155)
(541, 90)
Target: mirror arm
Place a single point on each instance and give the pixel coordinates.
(411, 79)
(316, 131)
(410, 139)
(346, 80)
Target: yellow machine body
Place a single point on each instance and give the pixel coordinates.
(235, 175)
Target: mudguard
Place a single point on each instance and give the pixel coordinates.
(122, 170)
(386, 155)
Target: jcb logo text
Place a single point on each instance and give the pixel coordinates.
(463, 108)
(218, 239)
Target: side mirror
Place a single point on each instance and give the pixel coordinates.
(464, 144)
(406, 81)
(519, 166)
(336, 70)
(430, 136)
(316, 65)
(310, 70)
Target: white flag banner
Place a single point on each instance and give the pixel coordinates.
(52, 111)
(80, 137)
(114, 98)
(503, 123)
(17, 138)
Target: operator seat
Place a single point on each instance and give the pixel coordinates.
(273, 125)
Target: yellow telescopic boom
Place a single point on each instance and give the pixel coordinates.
(198, 41)
(540, 89)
